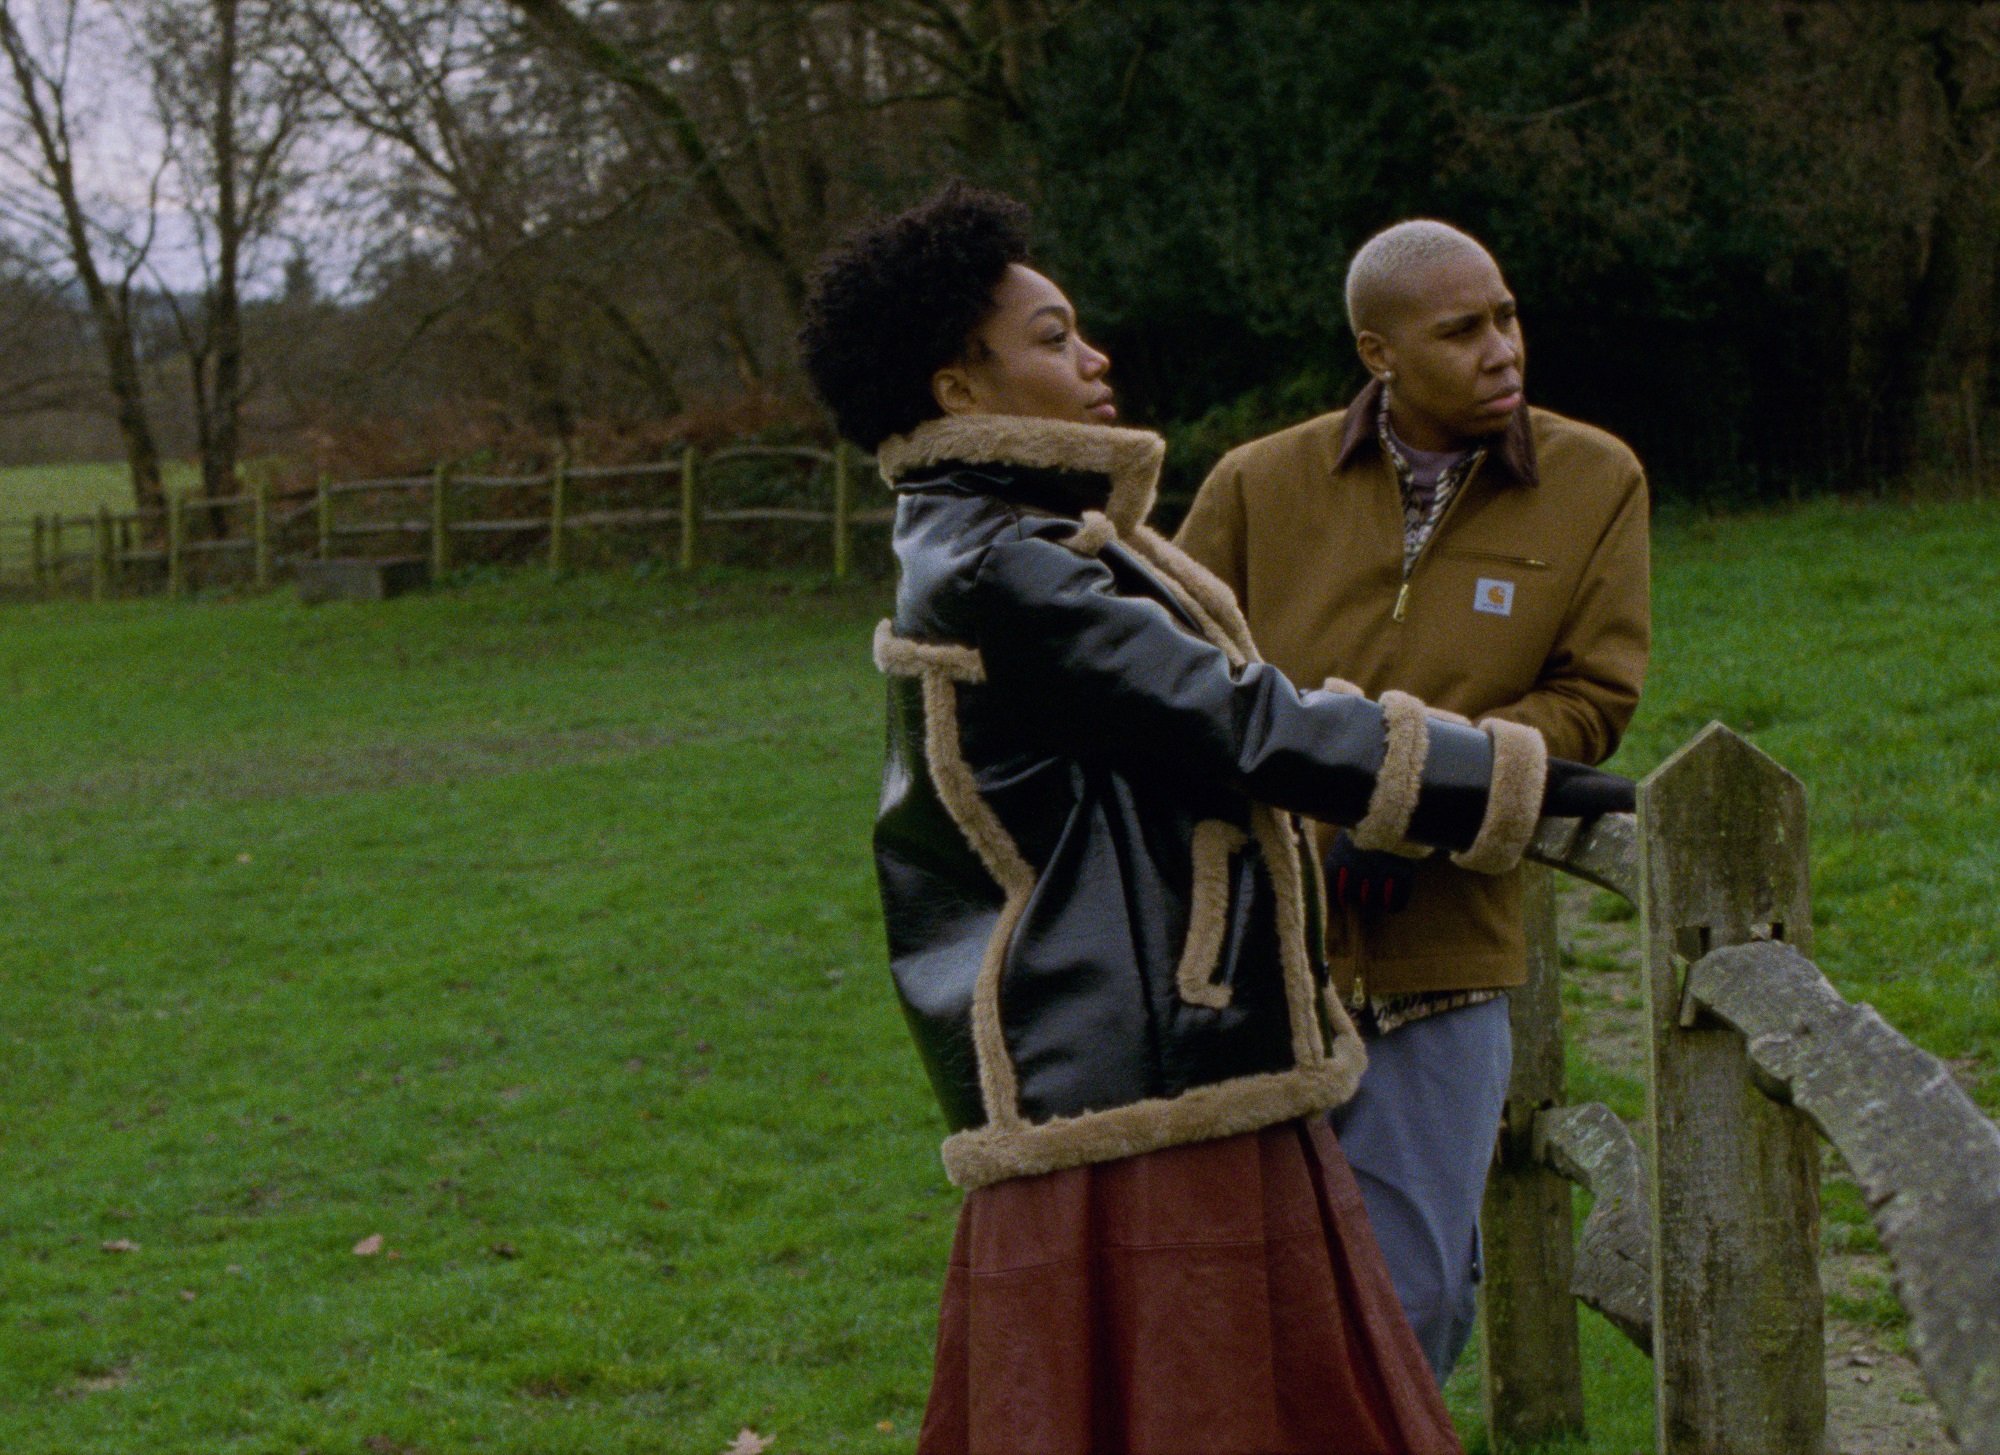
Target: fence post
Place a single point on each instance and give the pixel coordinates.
(843, 510)
(440, 540)
(1738, 1317)
(176, 542)
(100, 556)
(261, 526)
(56, 550)
(558, 508)
(690, 507)
(325, 512)
(1533, 1375)
(39, 555)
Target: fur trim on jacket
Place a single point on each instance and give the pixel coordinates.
(1104, 918)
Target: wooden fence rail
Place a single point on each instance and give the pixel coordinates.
(319, 521)
(1705, 1254)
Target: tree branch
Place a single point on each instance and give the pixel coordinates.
(614, 63)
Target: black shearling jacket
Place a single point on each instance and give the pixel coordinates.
(1104, 921)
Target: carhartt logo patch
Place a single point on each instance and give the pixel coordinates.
(1496, 598)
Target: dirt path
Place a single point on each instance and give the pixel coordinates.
(1876, 1402)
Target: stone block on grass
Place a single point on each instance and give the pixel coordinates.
(361, 579)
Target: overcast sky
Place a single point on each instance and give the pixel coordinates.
(120, 150)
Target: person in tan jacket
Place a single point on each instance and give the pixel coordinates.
(1437, 537)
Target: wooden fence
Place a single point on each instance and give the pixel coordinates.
(1705, 1253)
(265, 532)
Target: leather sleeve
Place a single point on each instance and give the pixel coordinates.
(1097, 674)
(1589, 685)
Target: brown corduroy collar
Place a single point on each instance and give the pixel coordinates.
(1514, 456)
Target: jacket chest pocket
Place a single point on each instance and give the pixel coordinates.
(1216, 847)
(1495, 587)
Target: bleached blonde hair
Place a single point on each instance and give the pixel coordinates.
(1381, 270)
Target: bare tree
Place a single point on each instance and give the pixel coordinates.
(41, 45)
(476, 160)
(546, 247)
(232, 93)
(757, 234)
(44, 346)
(747, 97)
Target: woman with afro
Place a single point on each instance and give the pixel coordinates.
(1103, 916)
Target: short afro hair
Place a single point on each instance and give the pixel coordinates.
(900, 299)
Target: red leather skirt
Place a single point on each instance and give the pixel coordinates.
(1223, 1298)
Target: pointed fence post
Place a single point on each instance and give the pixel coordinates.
(690, 508)
(39, 557)
(1532, 1374)
(325, 517)
(558, 508)
(440, 524)
(176, 542)
(843, 510)
(1738, 1317)
(261, 528)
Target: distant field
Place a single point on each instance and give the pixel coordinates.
(27, 491)
(529, 926)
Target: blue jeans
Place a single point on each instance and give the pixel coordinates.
(1419, 1133)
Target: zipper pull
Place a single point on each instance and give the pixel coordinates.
(1402, 603)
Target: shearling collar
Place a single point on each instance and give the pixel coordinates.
(1128, 458)
(1514, 456)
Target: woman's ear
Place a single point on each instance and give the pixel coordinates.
(953, 391)
(1374, 351)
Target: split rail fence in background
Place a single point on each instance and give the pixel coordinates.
(1705, 1253)
(261, 533)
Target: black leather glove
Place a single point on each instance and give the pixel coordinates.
(1576, 790)
(1366, 880)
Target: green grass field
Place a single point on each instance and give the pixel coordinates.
(530, 927)
(30, 490)
(27, 491)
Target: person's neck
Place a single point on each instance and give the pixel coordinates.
(1420, 434)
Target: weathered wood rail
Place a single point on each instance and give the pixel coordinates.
(1704, 1252)
(267, 533)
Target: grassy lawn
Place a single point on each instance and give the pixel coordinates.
(30, 490)
(27, 491)
(1861, 647)
(530, 927)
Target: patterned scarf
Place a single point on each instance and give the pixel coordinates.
(1424, 503)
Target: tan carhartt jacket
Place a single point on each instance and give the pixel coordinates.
(1529, 603)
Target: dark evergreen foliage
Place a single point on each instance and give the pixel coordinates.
(1713, 254)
